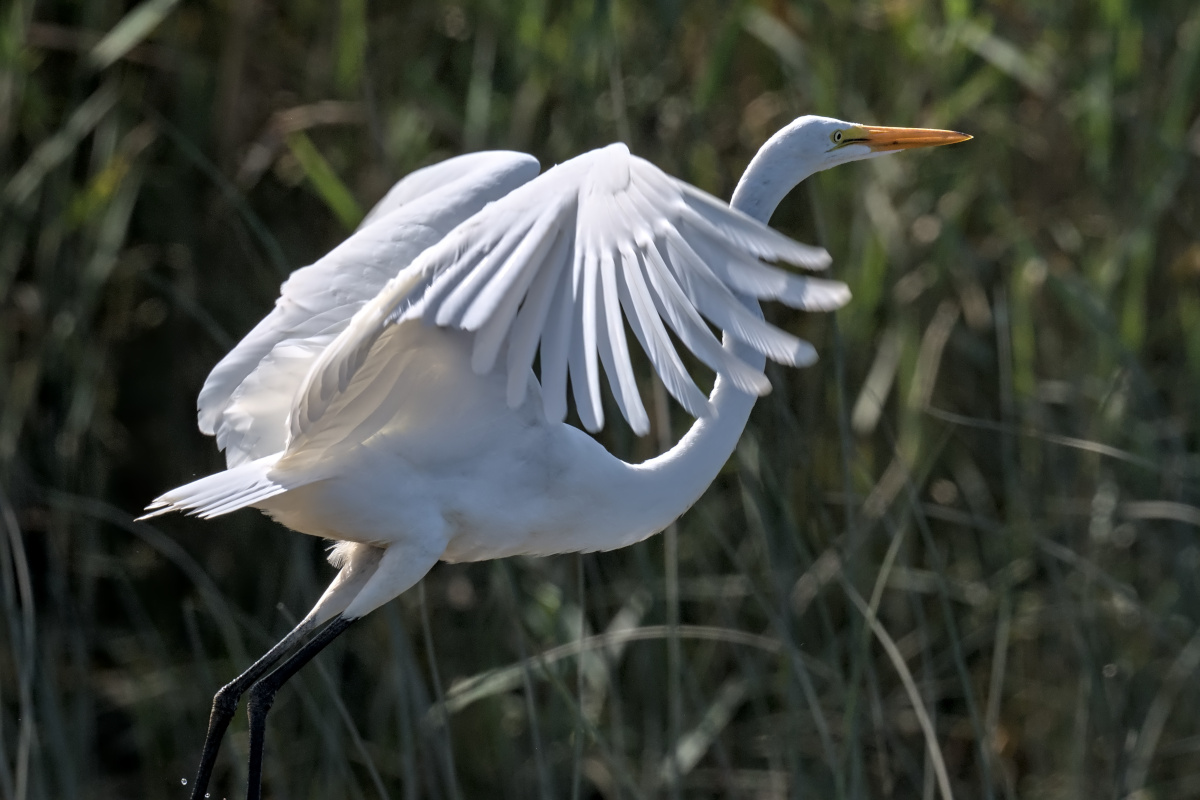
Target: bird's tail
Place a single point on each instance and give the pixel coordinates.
(241, 486)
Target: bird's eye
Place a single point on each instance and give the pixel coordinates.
(837, 137)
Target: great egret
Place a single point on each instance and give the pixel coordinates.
(389, 401)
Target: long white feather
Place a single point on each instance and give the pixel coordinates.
(531, 320)
(246, 400)
(567, 260)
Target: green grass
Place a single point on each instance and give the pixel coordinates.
(960, 552)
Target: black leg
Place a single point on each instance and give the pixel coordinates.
(225, 704)
(262, 695)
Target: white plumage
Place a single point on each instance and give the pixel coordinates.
(247, 398)
(389, 401)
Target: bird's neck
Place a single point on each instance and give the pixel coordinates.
(774, 171)
(670, 483)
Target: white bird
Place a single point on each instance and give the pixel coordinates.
(389, 401)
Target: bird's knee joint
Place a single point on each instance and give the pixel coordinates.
(225, 701)
(260, 699)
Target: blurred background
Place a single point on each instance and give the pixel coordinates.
(965, 544)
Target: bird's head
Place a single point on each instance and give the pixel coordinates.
(810, 144)
(825, 142)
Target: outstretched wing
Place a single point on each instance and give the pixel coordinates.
(565, 261)
(468, 175)
(246, 400)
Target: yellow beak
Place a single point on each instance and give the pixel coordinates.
(884, 139)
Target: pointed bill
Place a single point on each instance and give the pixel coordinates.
(882, 140)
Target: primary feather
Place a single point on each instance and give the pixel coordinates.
(605, 240)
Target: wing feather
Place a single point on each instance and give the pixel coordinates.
(753, 277)
(514, 276)
(633, 212)
(615, 347)
(248, 396)
(585, 379)
(476, 279)
(719, 304)
(532, 319)
(556, 342)
(746, 233)
(565, 261)
(648, 327)
(492, 313)
(673, 304)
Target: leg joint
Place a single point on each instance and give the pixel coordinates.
(261, 697)
(225, 701)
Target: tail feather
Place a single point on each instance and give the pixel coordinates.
(214, 495)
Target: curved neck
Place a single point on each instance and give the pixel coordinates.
(673, 481)
(774, 171)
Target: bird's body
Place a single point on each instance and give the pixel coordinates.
(389, 402)
(414, 445)
(461, 471)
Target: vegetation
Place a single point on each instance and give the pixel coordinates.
(964, 544)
